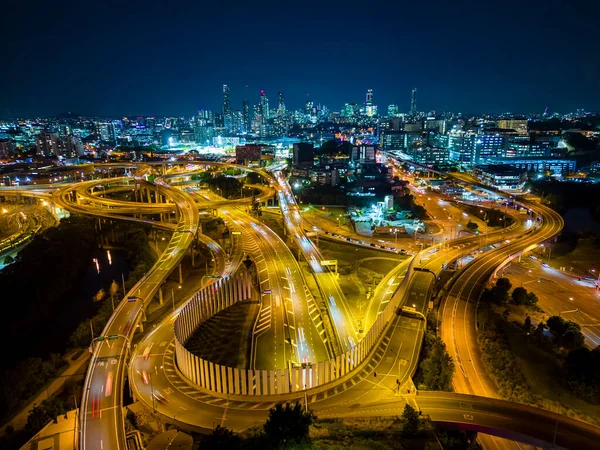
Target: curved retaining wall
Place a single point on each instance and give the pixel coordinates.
(230, 380)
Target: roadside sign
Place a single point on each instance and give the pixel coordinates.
(236, 232)
(131, 298)
(267, 291)
(327, 262)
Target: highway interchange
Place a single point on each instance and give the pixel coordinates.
(393, 360)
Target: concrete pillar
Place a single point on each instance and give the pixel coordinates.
(149, 196)
(180, 275)
(141, 327)
(160, 295)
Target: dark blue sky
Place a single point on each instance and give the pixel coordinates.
(168, 58)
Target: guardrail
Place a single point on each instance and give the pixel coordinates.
(226, 380)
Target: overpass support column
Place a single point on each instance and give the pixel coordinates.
(148, 195)
(160, 296)
(192, 250)
(180, 275)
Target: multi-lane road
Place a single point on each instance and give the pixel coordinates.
(337, 306)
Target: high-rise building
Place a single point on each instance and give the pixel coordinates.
(246, 116)
(363, 153)
(413, 102)
(370, 108)
(72, 146)
(519, 125)
(461, 147)
(46, 144)
(489, 146)
(106, 132)
(227, 122)
(248, 154)
(392, 110)
(437, 125)
(264, 104)
(280, 103)
(303, 153)
(6, 148)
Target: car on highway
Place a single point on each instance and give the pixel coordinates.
(332, 300)
(159, 397)
(545, 265)
(108, 385)
(145, 377)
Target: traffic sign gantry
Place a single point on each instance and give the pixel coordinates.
(213, 276)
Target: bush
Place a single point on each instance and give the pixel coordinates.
(500, 364)
(566, 332)
(436, 368)
(287, 424)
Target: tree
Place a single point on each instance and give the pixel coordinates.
(573, 337)
(9, 260)
(411, 416)
(37, 419)
(557, 325)
(496, 295)
(504, 283)
(437, 368)
(288, 423)
(527, 323)
(452, 439)
(222, 438)
(519, 295)
(531, 299)
(567, 333)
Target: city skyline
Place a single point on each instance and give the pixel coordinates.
(144, 59)
(238, 102)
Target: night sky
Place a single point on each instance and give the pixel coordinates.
(172, 57)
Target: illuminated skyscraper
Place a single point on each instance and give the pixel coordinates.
(264, 105)
(392, 110)
(370, 109)
(246, 116)
(413, 102)
(226, 108)
(280, 103)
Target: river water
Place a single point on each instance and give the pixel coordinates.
(79, 305)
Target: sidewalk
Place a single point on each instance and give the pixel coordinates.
(77, 367)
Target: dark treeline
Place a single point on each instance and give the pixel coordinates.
(563, 196)
(39, 282)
